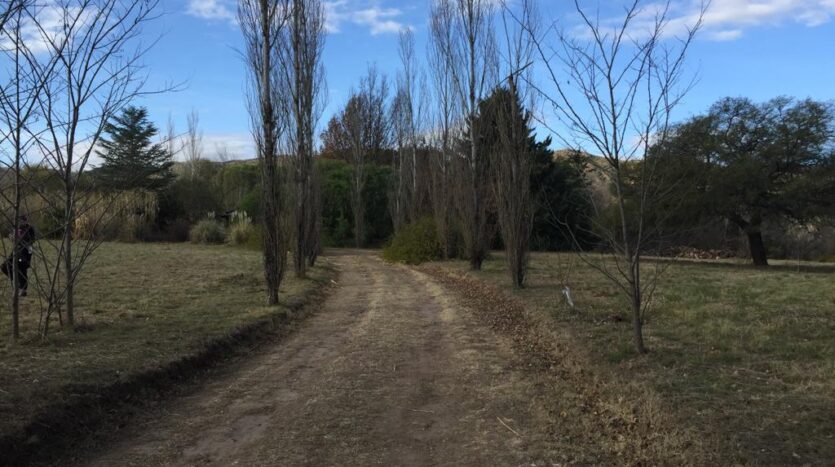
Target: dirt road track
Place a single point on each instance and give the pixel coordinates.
(388, 372)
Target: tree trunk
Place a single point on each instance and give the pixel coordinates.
(476, 259)
(637, 327)
(68, 268)
(301, 221)
(757, 247)
(358, 208)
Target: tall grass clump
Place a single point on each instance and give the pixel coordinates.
(207, 231)
(242, 232)
(415, 243)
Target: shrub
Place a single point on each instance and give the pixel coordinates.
(241, 234)
(207, 231)
(416, 243)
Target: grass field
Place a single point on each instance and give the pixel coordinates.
(743, 354)
(139, 307)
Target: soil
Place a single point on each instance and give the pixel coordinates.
(390, 371)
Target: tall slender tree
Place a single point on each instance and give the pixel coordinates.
(408, 114)
(511, 155)
(303, 79)
(469, 50)
(445, 113)
(263, 23)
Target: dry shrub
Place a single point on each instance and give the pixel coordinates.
(207, 232)
(125, 216)
(239, 234)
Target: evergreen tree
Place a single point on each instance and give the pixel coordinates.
(131, 160)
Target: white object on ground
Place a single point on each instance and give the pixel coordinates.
(567, 293)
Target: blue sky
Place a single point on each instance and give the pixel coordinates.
(758, 49)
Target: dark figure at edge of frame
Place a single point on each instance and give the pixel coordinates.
(24, 238)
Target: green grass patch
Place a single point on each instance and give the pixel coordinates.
(745, 353)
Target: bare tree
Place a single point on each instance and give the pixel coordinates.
(303, 79)
(469, 50)
(170, 138)
(399, 189)
(18, 136)
(511, 154)
(614, 94)
(193, 144)
(98, 72)
(445, 114)
(262, 24)
(8, 11)
(222, 154)
(365, 125)
(408, 112)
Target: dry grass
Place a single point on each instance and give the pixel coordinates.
(745, 355)
(140, 307)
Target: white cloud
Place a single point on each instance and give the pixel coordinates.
(233, 146)
(222, 10)
(727, 20)
(45, 24)
(367, 13)
(724, 13)
(236, 145)
(725, 35)
(377, 19)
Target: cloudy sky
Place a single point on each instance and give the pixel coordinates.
(758, 49)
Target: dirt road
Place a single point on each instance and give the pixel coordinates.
(389, 372)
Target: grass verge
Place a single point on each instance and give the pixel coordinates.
(742, 356)
(597, 419)
(149, 316)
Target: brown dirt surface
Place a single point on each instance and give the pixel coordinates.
(392, 370)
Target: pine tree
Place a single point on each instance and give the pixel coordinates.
(131, 160)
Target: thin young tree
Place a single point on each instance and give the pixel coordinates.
(193, 144)
(469, 50)
(18, 110)
(98, 72)
(262, 24)
(303, 77)
(614, 93)
(399, 190)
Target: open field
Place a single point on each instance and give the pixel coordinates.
(742, 353)
(140, 307)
